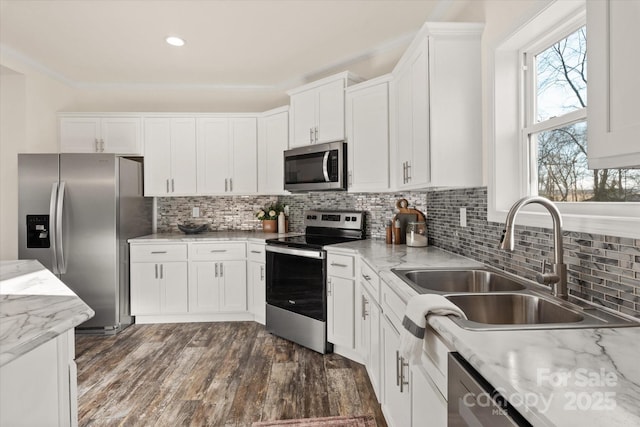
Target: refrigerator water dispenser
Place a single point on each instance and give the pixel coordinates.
(38, 231)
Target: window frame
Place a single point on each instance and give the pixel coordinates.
(509, 162)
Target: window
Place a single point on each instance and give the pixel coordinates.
(537, 128)
(555, 128)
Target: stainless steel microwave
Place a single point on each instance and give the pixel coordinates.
(317, 167)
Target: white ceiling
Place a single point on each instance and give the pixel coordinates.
(229, 43)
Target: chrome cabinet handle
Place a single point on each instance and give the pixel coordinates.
(364, 307)
(408, 170)
(221, 270)
(316, 134)
(403, 381)
(256, 252)
(230, 184)
(173, 186)
(262, 272)
(226, 184)
(366, 277)
(216, 270)
(161, 271)
(335, 264)
(398, 368)
(101, 145)
(310, 135)
(167, 185)
(158, 252)
(156, 271)
(329, 287)
(97, 145)
(214, 251)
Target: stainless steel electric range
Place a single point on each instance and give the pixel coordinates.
(297, 276)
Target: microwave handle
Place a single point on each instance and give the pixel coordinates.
(325, 166)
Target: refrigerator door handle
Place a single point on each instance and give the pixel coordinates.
(62, 265)
(52, 228)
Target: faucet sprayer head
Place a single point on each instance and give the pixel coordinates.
(506, 241)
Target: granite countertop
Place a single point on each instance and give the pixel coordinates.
(35, 307)
(568, 377)
(257, 236)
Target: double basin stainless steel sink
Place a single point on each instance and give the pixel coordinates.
(495, 300)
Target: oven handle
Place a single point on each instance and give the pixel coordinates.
(297, 252)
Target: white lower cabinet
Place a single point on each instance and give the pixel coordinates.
(341, 296)
(396, 399)
(216, 286)
(428, 405)
(158, 288)
(40, 387)
(257, 282)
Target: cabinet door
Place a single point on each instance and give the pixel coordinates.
(340, 311)
(614, 87)
(79, 135)
(303, 118)
(256, 282)
(145, 288)
(244, 177)
(396, 403)
(204, 293)
(174, 278)
(183, 157)
(374, 361)
(233, 286)
(404, 119)
(330, 113)
(121, 135)
(426, 401)
(157, 156)
(368, 138)
(213, 155)
(273, 139)
(419, 162)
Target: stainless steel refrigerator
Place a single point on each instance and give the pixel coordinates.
(76, 212)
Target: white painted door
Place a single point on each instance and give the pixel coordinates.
(79, 134)
(157, 157)
(145, 288)
(183, 156)
(427, 403)
(404, 125)
(203, 287)
(340, 311)
(614, 86)
(368, 138)
(256, 282)
(213, 155)
(303, 118)
(396, 401)
(273, 139)
(330, 112)
(244, 176)
(121, 135)
(174, 284)
(233, 286)
(419, 173)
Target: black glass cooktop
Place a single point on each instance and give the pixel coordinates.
(310, 241)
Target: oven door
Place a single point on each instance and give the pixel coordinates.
(296, 280)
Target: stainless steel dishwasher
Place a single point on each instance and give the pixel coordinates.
(473, 402)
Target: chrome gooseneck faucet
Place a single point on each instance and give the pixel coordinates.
(557, 279)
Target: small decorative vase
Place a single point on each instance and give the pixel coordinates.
(270, 226)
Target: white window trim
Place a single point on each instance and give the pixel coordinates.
(507, 159)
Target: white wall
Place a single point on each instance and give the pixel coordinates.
(28, 104)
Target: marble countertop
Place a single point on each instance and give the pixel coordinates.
(257, 236)
(569, 377)
(35, 307)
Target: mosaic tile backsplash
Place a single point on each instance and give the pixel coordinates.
(603, 269)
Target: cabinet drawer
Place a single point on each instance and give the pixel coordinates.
(256, 252)
(217, 251)
(392, 306)
(164, 252)
(370, 280)
(340, 265)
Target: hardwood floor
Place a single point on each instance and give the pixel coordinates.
(212, 374)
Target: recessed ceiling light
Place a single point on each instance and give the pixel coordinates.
(175, 41)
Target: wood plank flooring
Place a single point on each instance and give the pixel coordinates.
(212, 374)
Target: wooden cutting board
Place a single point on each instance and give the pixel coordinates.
(406, 215)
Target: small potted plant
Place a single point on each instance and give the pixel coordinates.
(269, 217)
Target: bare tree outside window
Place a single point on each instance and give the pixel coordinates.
(563, 174)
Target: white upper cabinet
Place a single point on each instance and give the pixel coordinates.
(227, 155)
(367, 127)
(317, 110)
(436, 111)
(170, 156)
(84, 134)
(613, 86)
(273, 140)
